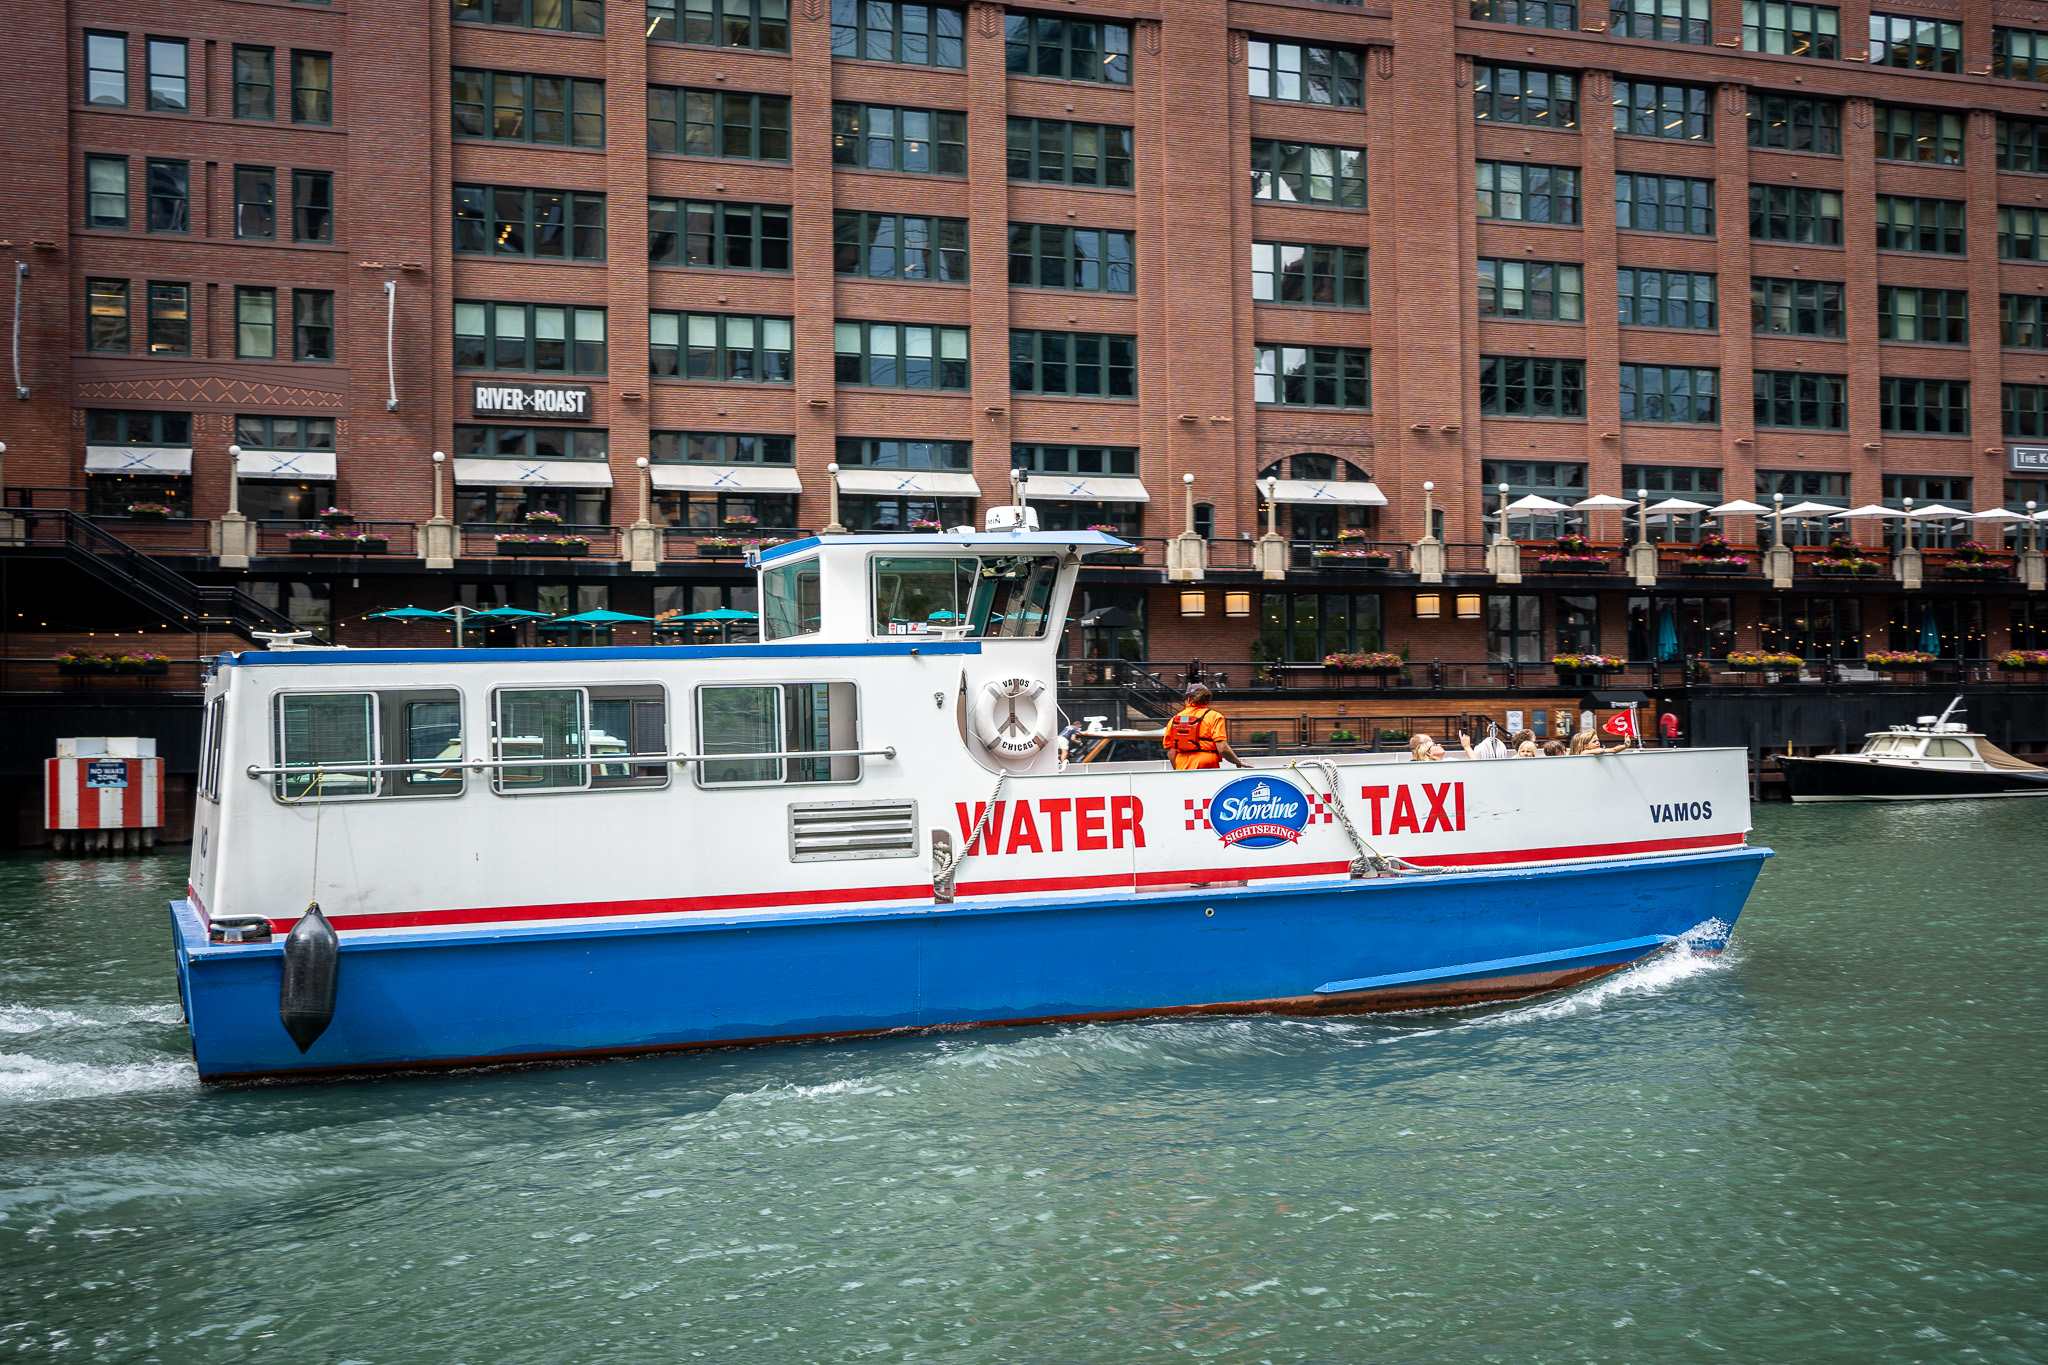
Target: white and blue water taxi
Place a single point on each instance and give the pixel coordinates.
(859, 825)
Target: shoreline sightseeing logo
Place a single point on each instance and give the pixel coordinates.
(1258, 812)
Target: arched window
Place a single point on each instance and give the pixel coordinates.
(1314, 511)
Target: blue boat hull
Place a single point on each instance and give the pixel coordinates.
(521, 994)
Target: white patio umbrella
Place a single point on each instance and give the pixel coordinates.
(1870, 511)
(1741, 507)
(1810, 509)
(1933, 511)
(1603, 502)
(1995, 514)
(1531, 503)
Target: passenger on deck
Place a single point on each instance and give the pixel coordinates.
(1490, 747)
(1525, 745)
(1424, 749)
(1199, 736)
(1587, 742)
(1553, 749)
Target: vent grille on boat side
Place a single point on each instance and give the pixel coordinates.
(824, 830)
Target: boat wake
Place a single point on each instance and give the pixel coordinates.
(26, 1079)
(1652, 976)
(109, 1051)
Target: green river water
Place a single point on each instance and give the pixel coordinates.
(1824, 1145)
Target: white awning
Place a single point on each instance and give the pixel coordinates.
(473, 473)
(725, 478)
(908, 483)
(138, 459)
(1061, 487)
(312, 466)
(1348, 493)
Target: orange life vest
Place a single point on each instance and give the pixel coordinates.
(1189, 732)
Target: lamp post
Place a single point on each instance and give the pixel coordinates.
(2031, 523)
(832, 526)
(1912, 531)
(439, 459)
(1273, 507)
(646, 496)
(1777, 520)
(437, 537)
(1642, 516)
(1428, 508)
(234, 481)
(1503, 491)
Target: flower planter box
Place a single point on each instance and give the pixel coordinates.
(1841, 571)
(157, 668)
(1989, 572)
(337, 521)
(1712, 566)
(1903, 668)
(1573, 566)
(1326, 559)
(1338, 670)
(720, 552)
(1118, 557)
(149, 516)
(338, 545)
(925, 530)
(1574, 677)
(84, 670)
(542, 549)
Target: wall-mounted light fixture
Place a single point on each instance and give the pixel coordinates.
(1193, 602)
(1468, 606)
(1237, 604)
(1428, 606)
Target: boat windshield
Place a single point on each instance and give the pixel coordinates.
(1007, 596)
(1882, 744)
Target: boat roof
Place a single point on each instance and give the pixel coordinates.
(922, 644)
(1007, 542)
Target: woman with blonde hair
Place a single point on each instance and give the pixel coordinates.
(1423, 749)
(1588, 742)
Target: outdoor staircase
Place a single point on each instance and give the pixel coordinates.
(57, 533)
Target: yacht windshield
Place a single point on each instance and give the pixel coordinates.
(1008, 596)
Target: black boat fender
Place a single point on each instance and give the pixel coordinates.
(312, 969)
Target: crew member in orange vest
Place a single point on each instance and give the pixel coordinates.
(1199, 736)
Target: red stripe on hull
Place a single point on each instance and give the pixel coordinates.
(920, 891)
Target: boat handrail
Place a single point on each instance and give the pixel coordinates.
(589, 760)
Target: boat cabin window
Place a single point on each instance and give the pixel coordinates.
(361, 732)
(778, 725)
(1948, 748)
(789, 600)
(1001, 596)
(1880, 744)
(209, 750)
(555, 726)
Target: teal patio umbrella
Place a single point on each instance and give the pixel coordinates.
(599, 617)
(1667, 634)
(1930, 634)
(504, 614)
(409, 614)
(722, 617)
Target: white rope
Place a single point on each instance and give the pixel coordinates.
(943, 880)
(1369, 859)
(319, 807)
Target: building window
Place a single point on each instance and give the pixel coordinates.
(1951, 627)
(1045, 256)
(1916, 44)
(2019, 321)
(1304, 173)
(1321, 276)
(712, 235)
(312, 324)
(891, 355)
(255, 83)
(1649, 109)
(726, 124)
(1919, 135)
(882, 137)
(1066, 49)
(895, 31)
(1795, 124)
(1559, 14)
(169, 88)
(904, 454)
(1514, 628)
(2023, 410)
(2022, 145)
(1928, 225)
(1513, 94)
(894, 246)
(759, 24)
(507, 106)
(107, 427)
(312, 87)
(1311, 75)
(1053, 152)
(575, 16)
(170, 319)
(1559, 482)
(255, 202)
(1578, 625)
(312, 206)
(545, 224)
(532, 338)
(1119, 462)
(1924, 491)
(1800, 308)
(1661, 481)
(1664, 203)
(284, 433)
(106, 69)
(1791, 30)
(1664, 21)
(1307, 627)
(255, 323)
(1548, 291)
(503, 505)
(1793, 398)
(2022, 234)
(2019, 54)
(1786, 213)
(1932, 407)
(106, 315)
(1671, 629)
(1528, 194)
(106, 192)
(1312, 376)
(169, 195)
(1815, 628)
(719, 447)
(1086, 364)
(1937, 315)
(1667, 298)
(898, 514)
(1797, 486)
(724, 347)
(1531, 386)
(1670, 393)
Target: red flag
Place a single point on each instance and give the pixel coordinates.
(1623, 723)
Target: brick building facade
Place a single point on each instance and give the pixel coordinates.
(1361, 249)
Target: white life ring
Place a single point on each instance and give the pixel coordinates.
(1012, 720)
